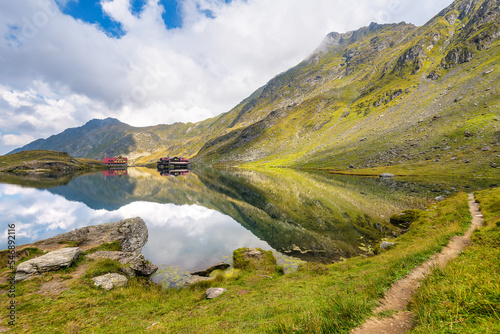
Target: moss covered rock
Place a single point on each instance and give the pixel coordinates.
(255, 259)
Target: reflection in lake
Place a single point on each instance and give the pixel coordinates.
(199, 218)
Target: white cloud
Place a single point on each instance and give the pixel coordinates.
(71, 71)
(16, 140)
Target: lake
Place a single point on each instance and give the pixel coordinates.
(199, 218)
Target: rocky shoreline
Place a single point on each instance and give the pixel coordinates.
(128, 235)
(120, 242)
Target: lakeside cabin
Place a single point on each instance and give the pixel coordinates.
(174, 162)
(115, 162)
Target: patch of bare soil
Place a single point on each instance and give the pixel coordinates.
(401, 292)
(53, 287)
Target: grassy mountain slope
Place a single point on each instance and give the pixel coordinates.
(384, 95)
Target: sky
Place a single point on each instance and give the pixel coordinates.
(149, 62)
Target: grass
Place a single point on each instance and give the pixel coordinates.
(113, 246)
(464, 297)
(317, 298)
(45, 162)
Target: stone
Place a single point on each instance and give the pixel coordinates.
(110, 281)
(439, 199)
(128, 271)
(132, 233)
(386, 175)
(387, 244)
(253, 252)
(215, 292)
(206, 272)
(52, 261)
(193, 279)
(137, 262)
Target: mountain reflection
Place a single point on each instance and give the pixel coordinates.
(204, 215)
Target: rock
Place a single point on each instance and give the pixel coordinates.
(439, 199)
(128, 271)
(137, 262)
(132, 234)
(386, 175)
(110, 281)
(49, 262)
(456, 57)
(206, 272)
(433, 76)
(196, 279)
(253, 252)
(215, 292)
(387, 245)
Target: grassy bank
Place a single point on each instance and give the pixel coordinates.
(316, 299)
(42, 162)
(464, 297)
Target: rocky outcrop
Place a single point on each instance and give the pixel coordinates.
(456, 57)
(49, 262)
(110, 281)
(410, 58)
(136, 262)
(132, 234)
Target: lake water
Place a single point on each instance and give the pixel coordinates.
(199, 218)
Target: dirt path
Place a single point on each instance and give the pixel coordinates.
(399, 295)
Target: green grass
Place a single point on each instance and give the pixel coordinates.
(464, 297)
(113, 246)
(45, 162)
(317, 298)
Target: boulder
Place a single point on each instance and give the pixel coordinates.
(193, 279)
(55, 260)
(386, 175)
(132, 233)
(439, 199)
(387, 245)
(137, 262)
(215, 292)
(110, 281)
(208, 271)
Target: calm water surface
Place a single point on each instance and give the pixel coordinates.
(200, 218)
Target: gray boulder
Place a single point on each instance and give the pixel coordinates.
(132, 233)
(110, 281)
(193, 279)
(137, 262)
(386, 175)
(49, 262)
(215, 292)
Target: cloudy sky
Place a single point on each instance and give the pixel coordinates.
(147, 62)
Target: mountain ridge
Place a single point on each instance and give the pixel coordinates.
(381, 95)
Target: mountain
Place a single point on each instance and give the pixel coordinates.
(384, 95)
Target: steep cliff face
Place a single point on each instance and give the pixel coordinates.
(382, 95)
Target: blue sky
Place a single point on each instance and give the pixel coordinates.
(91, 11)
(148, 62)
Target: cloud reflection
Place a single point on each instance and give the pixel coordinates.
(189, 236)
